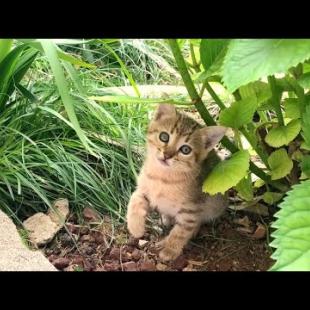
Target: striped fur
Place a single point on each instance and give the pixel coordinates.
(171, 181)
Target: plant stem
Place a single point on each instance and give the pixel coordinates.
(276, 97)
(195, 64)
(204, 112)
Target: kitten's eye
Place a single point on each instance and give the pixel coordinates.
(164, 137)
(185, 149)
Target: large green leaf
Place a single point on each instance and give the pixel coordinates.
(50, 50)
(239, 113)
(248, 60)
(292, 237)
(227, 173)
(212, 53)
(292, 108)
(304, 80)
(259, 90)
(210, 49)
(280, 164)
(283, 135)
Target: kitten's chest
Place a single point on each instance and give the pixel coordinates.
(166, 198)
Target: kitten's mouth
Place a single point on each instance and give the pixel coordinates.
(163, 162)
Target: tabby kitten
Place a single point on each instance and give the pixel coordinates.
(179, 155)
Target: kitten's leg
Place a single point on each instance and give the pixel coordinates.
(137, 210)
(185, 228)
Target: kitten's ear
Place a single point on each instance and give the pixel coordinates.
(212, 135)
(164, 110)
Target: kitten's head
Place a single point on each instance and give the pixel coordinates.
(176, 141)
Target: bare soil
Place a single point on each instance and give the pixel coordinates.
(235, 242)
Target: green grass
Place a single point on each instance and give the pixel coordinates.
(41, 155)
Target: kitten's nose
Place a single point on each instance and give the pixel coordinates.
(167, 156)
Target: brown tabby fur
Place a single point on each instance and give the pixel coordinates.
(173, 186)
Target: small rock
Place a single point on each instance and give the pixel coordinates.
(100, 269)
(61, 263)
(41, 229)
(84, 231)
(89, 265)
(89, 250)
(142, 243)
(161, 267)
(98, 236)
(180, 263)
(136, 255)
(66, 240)
(71, 268)
(189, 268)
(115, 253)
(130, 266)
(147, 266)
(114, 266)
(245, 222)
(244, 230)
(78, 260)
(260, 231)
(59, 212)
(91, 215)
(52, 257)
(72, 228)
(87, 238)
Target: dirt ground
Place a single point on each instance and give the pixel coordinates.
(235, 242)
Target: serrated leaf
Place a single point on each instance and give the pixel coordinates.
(280, 164)
(227, 173)
(292, 237)
(259, 90)
(283, 135)
(292, 108)
(248, 60)
(272, 197)
(210, 49)
(305, 165)
(306, 126)
(245, 188)
(239, 113)
(212, 54)
(304, 80)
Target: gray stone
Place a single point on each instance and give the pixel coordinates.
(14, 255)
(41, 229)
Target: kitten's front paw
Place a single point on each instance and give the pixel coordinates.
(136, 226)
(160, 244)
(168, 254)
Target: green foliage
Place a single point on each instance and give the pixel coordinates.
(280, 164)
(245, 188)
(239, 113)
(283, 135)
(248, 60)
(272, 197)
(258, 90)
(292, 235)
(292, 108)
(305, 165)
(227, 173)
(306, 126)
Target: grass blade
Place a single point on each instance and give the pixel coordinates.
(51, 53)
